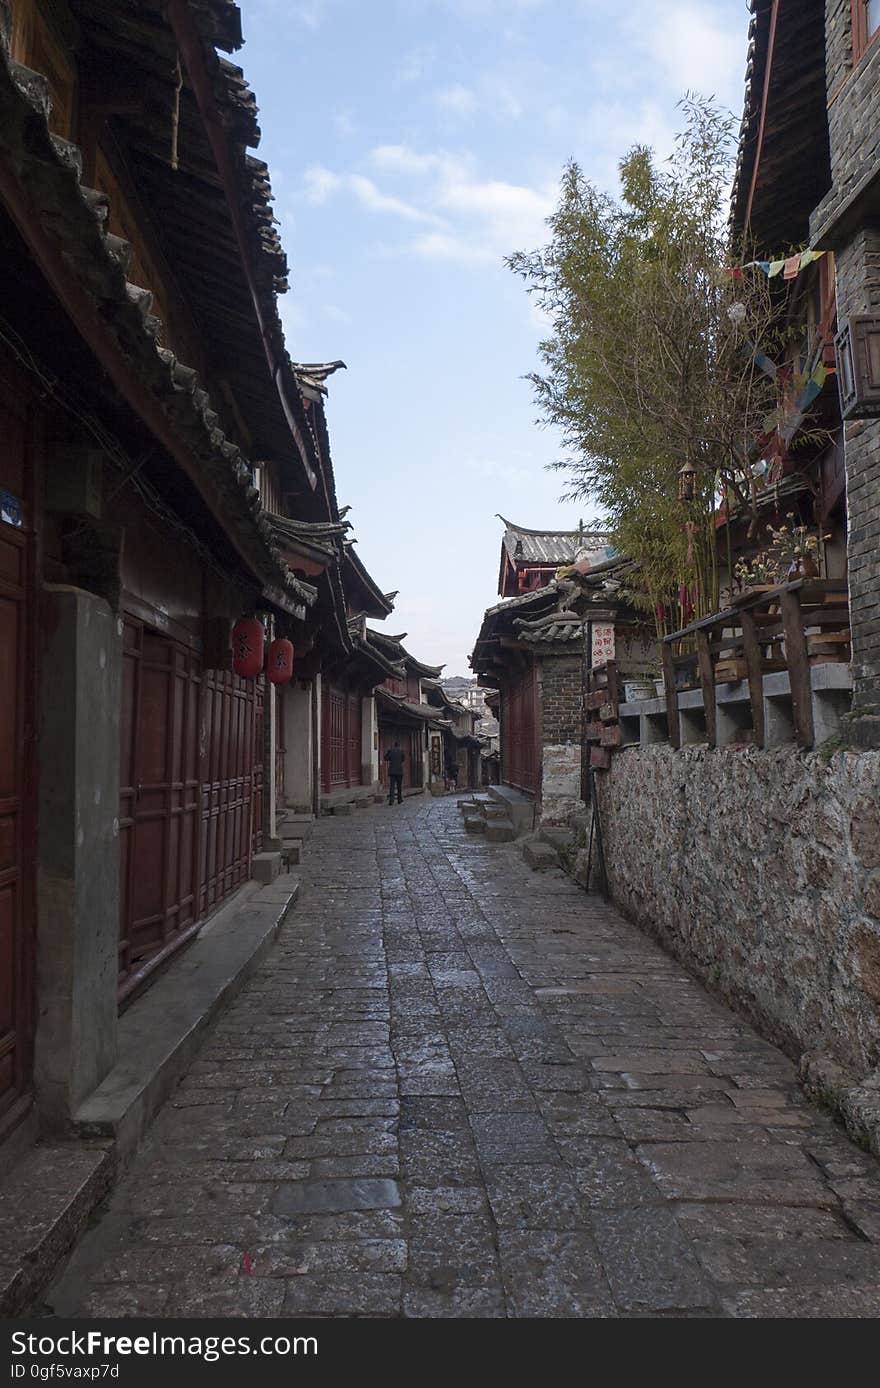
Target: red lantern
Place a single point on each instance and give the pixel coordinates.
(247, 647)
(280, 662)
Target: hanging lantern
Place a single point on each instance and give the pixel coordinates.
(279, 664)
(687, 483)
(247, 647)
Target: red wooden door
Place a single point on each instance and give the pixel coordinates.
(353, 740)
(17, 778)
(159, 799)
(340, 738)
(332, 738)
(229, 753)
(519, 748)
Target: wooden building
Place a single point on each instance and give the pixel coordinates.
(457, 742)
(403, 713)
(149, 414)
(808, 175)
(530, 558)
(533, 650)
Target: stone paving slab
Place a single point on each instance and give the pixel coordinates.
(458, 1088)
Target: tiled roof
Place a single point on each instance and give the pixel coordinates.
(526, 546)
(50, 170)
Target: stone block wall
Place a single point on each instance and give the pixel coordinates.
(760, 870)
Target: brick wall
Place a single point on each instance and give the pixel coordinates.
(560, 687)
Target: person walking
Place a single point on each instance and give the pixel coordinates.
(395, 757)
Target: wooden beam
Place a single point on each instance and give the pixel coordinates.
(671, 696)
(798, 669)
(707, 682)
(752, 650)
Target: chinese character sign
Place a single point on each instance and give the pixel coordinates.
(603, 644)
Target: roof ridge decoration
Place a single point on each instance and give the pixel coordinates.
(580, 530)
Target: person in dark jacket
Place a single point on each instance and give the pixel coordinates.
(395, 757)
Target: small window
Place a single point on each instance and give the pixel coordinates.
(866, 25)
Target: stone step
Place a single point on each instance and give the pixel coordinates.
(292, 851)
(558, 837)
(46, 1201)
(265, 868)
(475, 824)
(539, 855)
(499, 831)
(161, 1031)
(520, 808)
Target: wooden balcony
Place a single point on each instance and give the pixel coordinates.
(771, 669)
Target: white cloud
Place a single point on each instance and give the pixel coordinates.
(343, 122)
(370, 197)
(415, 63)
(458, 100)
(469, 220)
(320, 183)
(695, 48)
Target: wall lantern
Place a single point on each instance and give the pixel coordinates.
(248, 639)
(687, 483)
(858, 367)
(279, 664)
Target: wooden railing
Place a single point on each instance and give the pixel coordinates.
(788, 627)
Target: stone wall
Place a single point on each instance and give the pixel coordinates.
(760, 870)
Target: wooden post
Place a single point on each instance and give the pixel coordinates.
(752, 652)
(798, 668)
(671, 696)
(707, 681)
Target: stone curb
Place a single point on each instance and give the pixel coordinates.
(856, 1103)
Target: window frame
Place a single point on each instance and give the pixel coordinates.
(861, 39)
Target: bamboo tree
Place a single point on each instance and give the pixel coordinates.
(651, 362)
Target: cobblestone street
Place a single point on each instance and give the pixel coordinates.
(460, 1088)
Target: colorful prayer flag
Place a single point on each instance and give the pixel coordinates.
(792, 267)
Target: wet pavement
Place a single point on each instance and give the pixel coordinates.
(459, 1088)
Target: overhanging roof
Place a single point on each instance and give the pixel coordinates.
(784, 165)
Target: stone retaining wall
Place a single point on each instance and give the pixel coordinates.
(760, 870)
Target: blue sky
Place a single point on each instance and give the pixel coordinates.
(412, 145)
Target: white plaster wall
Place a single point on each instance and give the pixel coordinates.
(298, 762)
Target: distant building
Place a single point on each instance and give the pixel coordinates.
(530, 558)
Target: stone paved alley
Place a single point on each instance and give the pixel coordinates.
(458, 1088)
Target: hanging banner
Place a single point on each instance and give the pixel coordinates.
(787, 266)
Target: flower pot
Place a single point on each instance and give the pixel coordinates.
(634, 691)
(660, 686)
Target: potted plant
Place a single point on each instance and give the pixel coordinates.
(638, 688)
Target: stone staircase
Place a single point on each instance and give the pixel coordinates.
(543, 850)
(502, 814)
